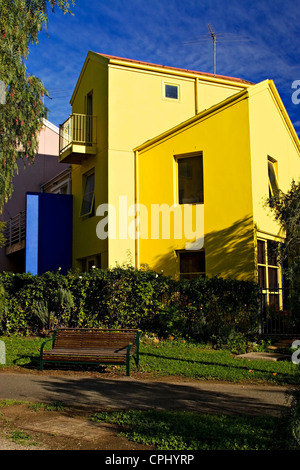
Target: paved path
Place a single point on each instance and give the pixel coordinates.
(132, 392)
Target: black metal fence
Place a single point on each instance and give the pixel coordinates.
(278, 315)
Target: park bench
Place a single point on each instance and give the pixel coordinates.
(92, 346)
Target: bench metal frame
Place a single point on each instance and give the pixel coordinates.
(111, 359)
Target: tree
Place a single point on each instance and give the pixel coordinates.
(23, 111)
(286, 210)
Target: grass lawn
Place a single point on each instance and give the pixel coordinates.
(181, 430)
(176, 358)
(202, 362)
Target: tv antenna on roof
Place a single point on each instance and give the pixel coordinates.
(216, 37)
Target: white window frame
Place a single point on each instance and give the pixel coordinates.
(172, 84)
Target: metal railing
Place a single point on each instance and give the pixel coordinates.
(276, 315)
(77, 129)
(15, 229)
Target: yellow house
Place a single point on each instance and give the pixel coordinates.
(117, 104)
(217, 170)
(171, 168)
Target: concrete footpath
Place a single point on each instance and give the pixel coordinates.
(121, 392)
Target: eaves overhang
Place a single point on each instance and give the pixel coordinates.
(148, 66)
(114, 60)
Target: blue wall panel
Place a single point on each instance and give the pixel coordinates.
(54, 232)
(32, 233)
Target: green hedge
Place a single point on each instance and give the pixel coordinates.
(126, 297)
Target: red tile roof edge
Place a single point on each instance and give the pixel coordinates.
(206, 74)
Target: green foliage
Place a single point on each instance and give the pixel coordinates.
(292, 415)
(214, 305)
(22, 114)
(2, 237)
(286, 210)
(201, 309)
(184, 430)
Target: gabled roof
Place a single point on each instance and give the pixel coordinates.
(112, 58)
(121, 61)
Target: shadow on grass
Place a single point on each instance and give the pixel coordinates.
(182, 430)
(240, 365)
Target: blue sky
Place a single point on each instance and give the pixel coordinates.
(266, 45)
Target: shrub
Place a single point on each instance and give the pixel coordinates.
(125, 297)
(215, 306)
(292, 416)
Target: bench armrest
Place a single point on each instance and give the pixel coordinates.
(47, 341)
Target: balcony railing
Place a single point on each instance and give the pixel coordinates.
(15, 230)
(78, 129)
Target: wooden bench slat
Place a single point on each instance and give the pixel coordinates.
(105, 346)
(87, 351)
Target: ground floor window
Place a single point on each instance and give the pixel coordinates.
(90, 262)
(191, 264)
(269, 272)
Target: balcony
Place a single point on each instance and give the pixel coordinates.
(15, 233)
(77, 138)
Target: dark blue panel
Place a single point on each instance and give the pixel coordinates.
(55, 232)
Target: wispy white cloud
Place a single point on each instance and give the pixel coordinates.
(155, 31)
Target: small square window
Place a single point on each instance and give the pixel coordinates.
(172, 92)
(87, 205)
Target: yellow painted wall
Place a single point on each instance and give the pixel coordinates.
(224, 139)
(138, 111)
(270, 136)
(85, 241)
(130, 108)
(209, 94)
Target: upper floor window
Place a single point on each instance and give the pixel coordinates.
(87, 204)
(272, 175)
(190, 179)
(171, 91)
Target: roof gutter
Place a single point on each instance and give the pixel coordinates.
(178, 72)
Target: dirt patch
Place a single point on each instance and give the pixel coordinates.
(39, 429)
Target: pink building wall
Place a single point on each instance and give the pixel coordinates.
(31, 179)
